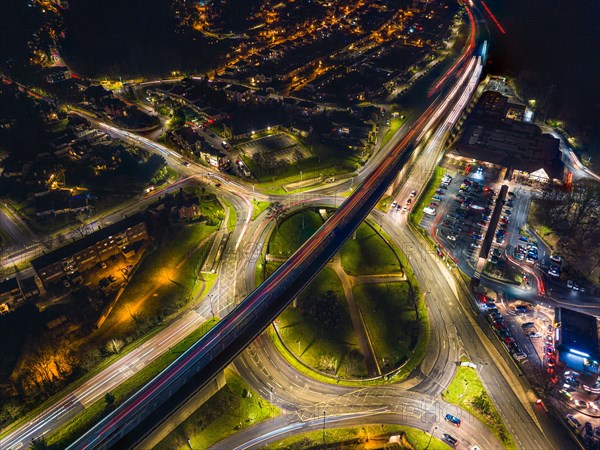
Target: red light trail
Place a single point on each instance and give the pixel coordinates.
(471, 46)
(493, 17)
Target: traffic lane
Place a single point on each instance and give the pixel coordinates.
(91, 390)
(272, 431)
(504, 398)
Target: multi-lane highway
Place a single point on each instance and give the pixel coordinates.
(228, 338)
(455, 329)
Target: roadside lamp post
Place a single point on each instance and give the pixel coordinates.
(323, 427)
(431, 437)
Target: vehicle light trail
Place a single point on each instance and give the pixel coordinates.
(228, 337)
(493, 17)
(458, 62)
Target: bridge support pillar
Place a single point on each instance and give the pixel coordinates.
(185, 411)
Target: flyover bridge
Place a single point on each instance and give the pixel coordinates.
(127, 425)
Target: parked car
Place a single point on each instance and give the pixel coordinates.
(573, 422)
(520, 356)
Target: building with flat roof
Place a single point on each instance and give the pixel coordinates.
(576, 340)
(84, 253)
(492, 135)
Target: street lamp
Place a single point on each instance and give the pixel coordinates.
(431, 437)
(464, 390)
(323, 426)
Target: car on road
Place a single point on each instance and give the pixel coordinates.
(450, 439)
(101, 265)
(413, 193)
(580, 403)
(570, 284)
(451, 237)
(534, 335)
(186, 163)
(528, 325)
(452, 419)
(437, 197)
(409, 201)
(394, 204)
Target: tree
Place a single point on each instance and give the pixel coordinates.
(109, 399)
(39, 444)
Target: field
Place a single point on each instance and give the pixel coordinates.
(291, 233)
(319, 330)
(368, 254)
(391, 317)
(392, 310)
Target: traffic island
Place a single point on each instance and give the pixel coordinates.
(361, 320)
(468, 392)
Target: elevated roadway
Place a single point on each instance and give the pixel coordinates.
(228, 338)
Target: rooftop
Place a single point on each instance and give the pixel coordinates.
(85, 242)
(579, 333)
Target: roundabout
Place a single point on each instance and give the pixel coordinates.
(362, 319)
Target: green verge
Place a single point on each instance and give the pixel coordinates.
(259, 207)
(395, 125)
(75, 427)
(229, 411)
(363, 437)
(474, 398)
(417, 213)
(232, 221)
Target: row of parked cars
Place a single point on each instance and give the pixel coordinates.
(497, 322)
(589, 434)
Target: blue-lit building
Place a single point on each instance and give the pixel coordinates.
(576, 341)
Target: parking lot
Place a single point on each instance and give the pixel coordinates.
(527, 334)
(280, 149)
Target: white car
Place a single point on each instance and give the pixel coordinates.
(570, 284)
(394, 204)
(580, 403)
(520, 356)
